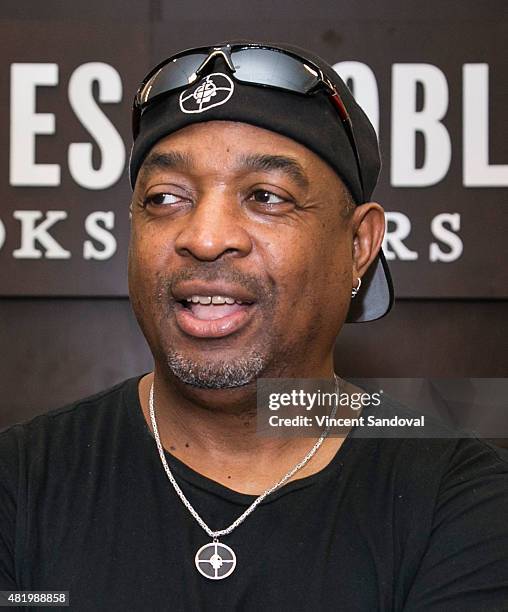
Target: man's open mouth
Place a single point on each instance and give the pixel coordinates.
(212, 307)
(215, 313)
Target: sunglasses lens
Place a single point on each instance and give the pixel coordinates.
(270, 67)
(173, 75)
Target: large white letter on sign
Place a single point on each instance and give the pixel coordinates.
(447, 237)
(100, 127)
(407, 121)
(477, 171)
(393, 245)
(2, 234)
(101, 235)
(31, 232)
(26, 124)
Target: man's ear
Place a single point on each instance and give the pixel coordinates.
(368, 225)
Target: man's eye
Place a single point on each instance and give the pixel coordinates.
(162, 199)
(266, 197)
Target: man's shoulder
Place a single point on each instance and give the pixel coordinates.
(72, 423)
(109, 397)
(474, 460)
(449, 460)
(433, 465)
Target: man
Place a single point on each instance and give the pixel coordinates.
(252, 168)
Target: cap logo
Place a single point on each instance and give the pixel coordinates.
(214, 90)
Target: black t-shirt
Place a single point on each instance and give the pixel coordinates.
(86, 507)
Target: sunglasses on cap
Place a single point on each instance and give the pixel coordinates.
(252, 64)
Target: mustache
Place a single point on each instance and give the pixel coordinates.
(263, 290)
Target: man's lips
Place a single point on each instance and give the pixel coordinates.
(207, 309)
(212, 321)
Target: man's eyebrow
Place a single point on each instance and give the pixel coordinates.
(172, 160)
(280, 163)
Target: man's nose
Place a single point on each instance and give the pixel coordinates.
(215, 227)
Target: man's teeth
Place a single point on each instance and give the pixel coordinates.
(214, 299)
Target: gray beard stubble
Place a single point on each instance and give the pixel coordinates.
(218, 375)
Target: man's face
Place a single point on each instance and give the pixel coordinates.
(256, 222)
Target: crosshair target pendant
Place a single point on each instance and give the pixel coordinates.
(215, 561)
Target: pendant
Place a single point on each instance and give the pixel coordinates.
(215, 561)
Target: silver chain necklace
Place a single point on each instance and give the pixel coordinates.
(216, 560)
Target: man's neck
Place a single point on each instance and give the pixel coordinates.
(224, 445)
